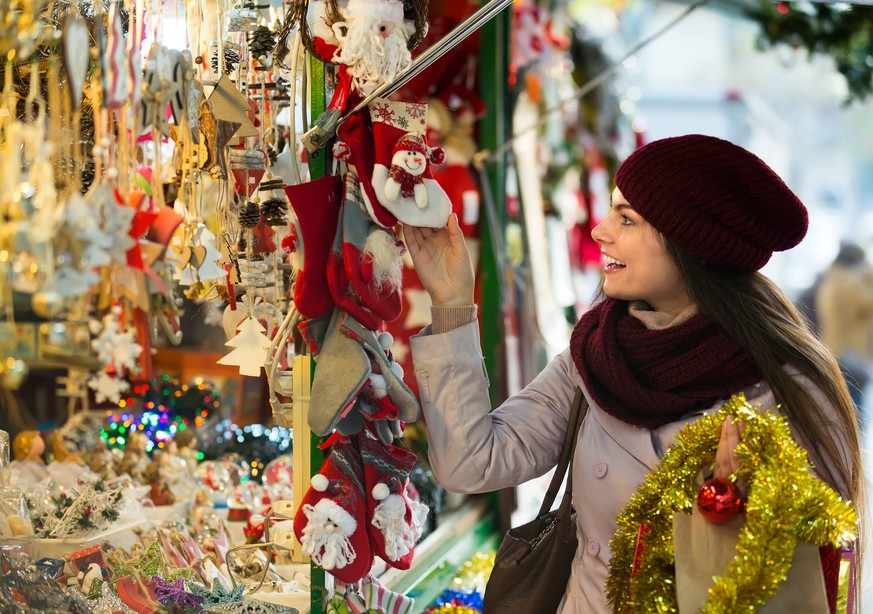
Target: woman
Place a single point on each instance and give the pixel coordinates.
(685, 322)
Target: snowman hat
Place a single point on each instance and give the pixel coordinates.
(415, 142)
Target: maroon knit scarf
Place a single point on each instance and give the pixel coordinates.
(649, 378)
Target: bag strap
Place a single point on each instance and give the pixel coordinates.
(577, 415)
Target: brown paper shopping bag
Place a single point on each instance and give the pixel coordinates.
(704, 550)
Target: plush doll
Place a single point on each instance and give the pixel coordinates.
(409, 160)
(68, 467)
(28, 468)
(372, 42)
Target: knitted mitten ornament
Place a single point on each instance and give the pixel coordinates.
(391, 519)
(329, 521)
(402, 178)
(377, 349)
(371, 256)
(316, 205)
(343, 370)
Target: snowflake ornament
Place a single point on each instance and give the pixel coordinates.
(107, 387)
(114, 347)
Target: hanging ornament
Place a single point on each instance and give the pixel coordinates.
(250, 348)
(247, 167)
(242, 18)
(719, 500)
(275, 211)
(249, 215)
(115, 347)
(263, 232)
(231, 59)
(76, 56)
(261, 44)
(107, 388)
(210, 268)
(114, 65)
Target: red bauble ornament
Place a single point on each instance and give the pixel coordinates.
(719, 500)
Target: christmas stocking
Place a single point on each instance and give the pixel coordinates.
(340, 286)
(316, 205)
(402, 178)
(371, 256)
(329, 521)
(355, 146)
(343, 370)
(391, 520)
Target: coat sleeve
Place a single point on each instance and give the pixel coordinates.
(472, 449)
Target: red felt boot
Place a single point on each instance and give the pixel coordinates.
(392, 519)
(330, 522)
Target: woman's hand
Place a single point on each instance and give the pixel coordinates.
(442, 262)
(726, 460)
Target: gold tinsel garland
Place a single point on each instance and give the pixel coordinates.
(785, 501)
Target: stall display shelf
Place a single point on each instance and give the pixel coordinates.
(462, 533)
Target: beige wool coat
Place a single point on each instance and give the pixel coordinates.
(473, 450)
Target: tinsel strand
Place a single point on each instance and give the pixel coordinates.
(786, 502)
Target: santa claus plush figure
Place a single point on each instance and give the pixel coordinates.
(371, 42)
(409, 160)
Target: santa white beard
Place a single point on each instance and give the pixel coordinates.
(371, 58)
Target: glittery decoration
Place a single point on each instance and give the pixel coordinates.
(475, 572)
(250, 606)
(175, 592)
(468, 598)
(110, 602)
(149, 564)
(719, 500)
(218, 595)
(786, 502)
(452, 609)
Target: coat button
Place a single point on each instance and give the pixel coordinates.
(600, 470)
(593, 547)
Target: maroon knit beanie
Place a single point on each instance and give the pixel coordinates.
(718, 202)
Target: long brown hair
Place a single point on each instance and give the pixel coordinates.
(751, 308)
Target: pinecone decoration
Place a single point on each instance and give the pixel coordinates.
(261, 43)
(231, 59)
(275, 211)
(87, 176)
(250, 215)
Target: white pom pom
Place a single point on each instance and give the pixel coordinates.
(379, 385)
(386, 340)
(380, 491)
(397, 370)
(319, 482)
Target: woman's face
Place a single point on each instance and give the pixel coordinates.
(636, 264)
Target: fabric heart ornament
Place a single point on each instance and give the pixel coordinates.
(247, 167)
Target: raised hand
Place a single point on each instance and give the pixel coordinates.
(442, 262)
(726, 460)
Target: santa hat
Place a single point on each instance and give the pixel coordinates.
(414, 142)
(385, 10)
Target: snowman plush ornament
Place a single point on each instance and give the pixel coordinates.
(409, 160)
